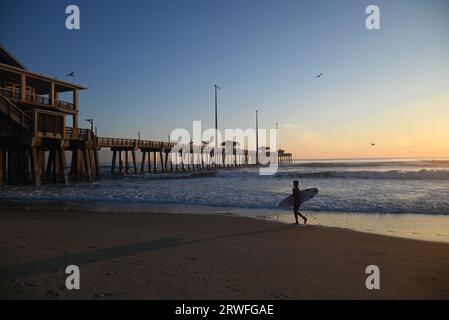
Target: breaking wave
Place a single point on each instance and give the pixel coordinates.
(423, 174)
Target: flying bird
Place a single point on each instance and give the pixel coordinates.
(373, 144)
(71, 74)
(319, 75)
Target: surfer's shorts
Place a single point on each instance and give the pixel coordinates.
(296, 206)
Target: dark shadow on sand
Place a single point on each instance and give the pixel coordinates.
(54, 264)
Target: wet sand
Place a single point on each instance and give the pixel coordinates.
(188, 256)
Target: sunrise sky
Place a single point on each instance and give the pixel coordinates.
(152, 68)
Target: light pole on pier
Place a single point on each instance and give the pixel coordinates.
(257, 137)
(91, 121)
(278, 145)
(216, 123)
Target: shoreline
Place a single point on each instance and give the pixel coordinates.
(414, 226)
(197, 256)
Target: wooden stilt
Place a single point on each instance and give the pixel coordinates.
(12, 172)
(114, 160)
(72, 163)
(202, 160)
(79, 163)
(62, 165)
(133, 154)
(149, 162)
(2, 167)
(171, 162)
(87, 166)
(90, 153)
(27, 165)
(35, 167)
(21, 166)
(155, 162)
(54, 162)
(97, 162)
(161, 157)
(166, 161)
(127, 161)
(182, 161)
(188, 162)
(142, 164)
(49, 164)
(120, 162)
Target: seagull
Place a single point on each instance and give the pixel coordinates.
(373, 144)
(71, 74)
(319, 76)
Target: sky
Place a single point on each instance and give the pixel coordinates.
(151, 65)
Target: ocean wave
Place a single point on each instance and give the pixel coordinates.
(318, 204)
(382, 191)
(357, 164)
(423, 174)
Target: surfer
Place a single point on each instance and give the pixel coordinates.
(297, 202)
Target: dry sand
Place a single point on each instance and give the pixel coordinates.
(167, 256)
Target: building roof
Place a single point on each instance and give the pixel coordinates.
(6, 57)
(13, 64)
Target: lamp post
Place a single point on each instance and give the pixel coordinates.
(216, 123)
(91, 121)
(278, 145)
(257, 137)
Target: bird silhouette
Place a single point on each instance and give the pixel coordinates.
(71, 74)
(319, 75)
(373, 144)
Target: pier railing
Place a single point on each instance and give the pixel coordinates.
(132, 143)
(78, 133)
(33, 98)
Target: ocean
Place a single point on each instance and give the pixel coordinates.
(399, 197)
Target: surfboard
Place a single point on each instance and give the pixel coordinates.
(305, 195)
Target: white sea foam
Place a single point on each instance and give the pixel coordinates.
(379, 187)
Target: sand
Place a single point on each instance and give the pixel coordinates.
(169, 256)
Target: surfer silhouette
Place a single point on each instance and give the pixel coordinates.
(297, 202)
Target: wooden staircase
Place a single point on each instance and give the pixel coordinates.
(14, 113)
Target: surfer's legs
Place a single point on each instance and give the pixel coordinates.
(303, 217)
(295, 212)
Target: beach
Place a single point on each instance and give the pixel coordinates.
(136, 255)
(163, 151)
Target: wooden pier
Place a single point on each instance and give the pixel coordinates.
(159, 157)
(284, 157)
(35, 140)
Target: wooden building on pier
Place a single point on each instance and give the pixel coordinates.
(38, 123)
